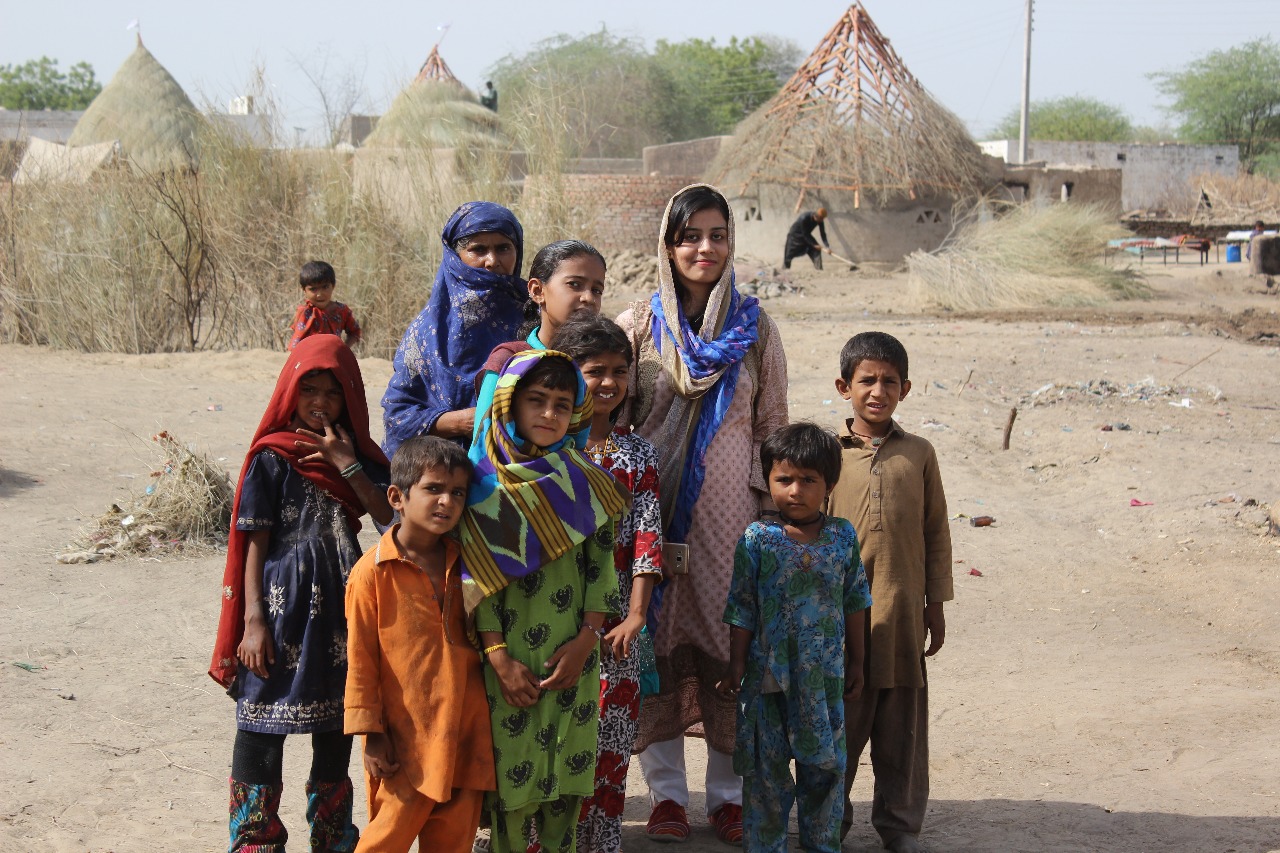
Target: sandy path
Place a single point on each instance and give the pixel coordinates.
(1110, 681)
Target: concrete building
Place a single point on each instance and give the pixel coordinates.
(1151, 175)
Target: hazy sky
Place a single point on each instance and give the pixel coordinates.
(968, 53)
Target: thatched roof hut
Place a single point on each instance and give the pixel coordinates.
(851, 127)
(145, 110)
(435, 111)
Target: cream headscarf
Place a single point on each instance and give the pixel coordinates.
(703, 369)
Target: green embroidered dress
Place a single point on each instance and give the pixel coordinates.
(548, 751)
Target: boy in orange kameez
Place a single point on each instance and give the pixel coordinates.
(415, 689)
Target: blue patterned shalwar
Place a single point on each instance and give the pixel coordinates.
(793, 598)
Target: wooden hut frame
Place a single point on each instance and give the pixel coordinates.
(435, 68)
(852, 119)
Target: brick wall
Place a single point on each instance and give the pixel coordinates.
(617, 212)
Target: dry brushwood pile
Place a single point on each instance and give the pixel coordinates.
(852, 127)
(187, 506)
(1027, 257)
(1236, 200)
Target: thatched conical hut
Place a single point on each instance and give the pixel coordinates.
(435, 111)
(435, 147)
(145, 110)
(855, 132)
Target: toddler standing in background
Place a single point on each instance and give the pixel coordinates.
(319, 314)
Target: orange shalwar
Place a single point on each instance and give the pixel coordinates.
(412, 674)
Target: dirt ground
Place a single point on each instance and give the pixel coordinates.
(1110, 679)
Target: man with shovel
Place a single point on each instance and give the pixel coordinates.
(800, 238)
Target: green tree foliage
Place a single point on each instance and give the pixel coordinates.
(718, 86)
(604, 90)
(1069, 119)
(1229, 96)
(39, 85)
(614, 97)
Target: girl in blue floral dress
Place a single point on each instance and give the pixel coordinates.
(796, 609)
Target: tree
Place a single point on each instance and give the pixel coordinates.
(39, 85)
(605, 92)
(1069, 119)
(616, 97)
(718, 86)
(337, 89)
(1229, 95)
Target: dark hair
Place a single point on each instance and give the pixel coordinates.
(545, 264)
(552, 255)
(1258, 223)
(554, 372)
(872, 346)
(422, 452)
(804, 445)
(316, 272)
(584, 337)
(685, 205)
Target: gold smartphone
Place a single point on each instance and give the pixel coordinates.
(675, 558)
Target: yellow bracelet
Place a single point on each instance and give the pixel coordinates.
(494, 648)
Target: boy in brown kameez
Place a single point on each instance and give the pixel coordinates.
(891, 491)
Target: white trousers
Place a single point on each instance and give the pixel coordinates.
(663, 767)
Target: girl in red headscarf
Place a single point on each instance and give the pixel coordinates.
(310, 474)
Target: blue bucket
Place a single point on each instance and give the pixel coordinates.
(1233, 253)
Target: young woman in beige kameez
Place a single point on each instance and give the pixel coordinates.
(741, 350)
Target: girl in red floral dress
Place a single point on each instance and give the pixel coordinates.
(603, 354)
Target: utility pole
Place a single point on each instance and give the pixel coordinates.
(1023, 129)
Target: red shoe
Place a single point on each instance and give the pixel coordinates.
(668, 822)
(728, 823)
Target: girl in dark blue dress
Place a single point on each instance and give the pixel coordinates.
(310, 474)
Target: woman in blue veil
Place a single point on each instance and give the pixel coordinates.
(477, 302)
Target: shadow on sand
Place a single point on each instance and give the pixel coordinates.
(12, 482)
(1016, 826)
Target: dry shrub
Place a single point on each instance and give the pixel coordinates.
(543, 125)
(187, 507)
(1028, 257)
(1236, 199)
(142, 262)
